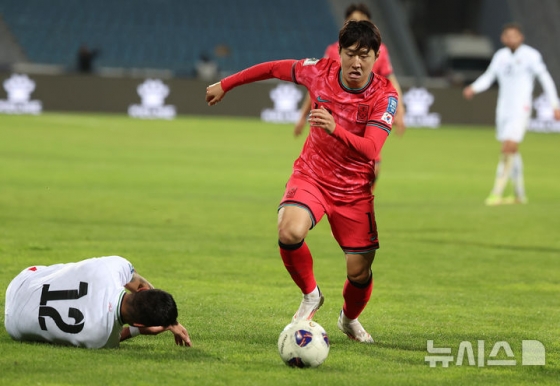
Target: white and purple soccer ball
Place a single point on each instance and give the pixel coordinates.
(303, 343)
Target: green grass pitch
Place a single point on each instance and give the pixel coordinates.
(192, 203)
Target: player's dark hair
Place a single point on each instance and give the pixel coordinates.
(362, 32)
(361, 7)
(512, 25)
(153, 308)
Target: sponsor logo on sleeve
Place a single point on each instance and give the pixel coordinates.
(392, 105)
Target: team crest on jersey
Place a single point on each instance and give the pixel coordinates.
(392, 105)
(310, 62)
(387, 118)
(363, 113)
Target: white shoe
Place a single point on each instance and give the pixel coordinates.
(493, 200)
(515, 200)
(353, 329)
(308, 306)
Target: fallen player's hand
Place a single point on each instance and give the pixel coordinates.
(181, 334)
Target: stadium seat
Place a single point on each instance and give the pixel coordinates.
(170, 34)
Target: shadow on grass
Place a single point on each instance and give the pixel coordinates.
(178, 354)
(150, 351)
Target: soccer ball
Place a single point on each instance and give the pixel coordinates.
(303, 343)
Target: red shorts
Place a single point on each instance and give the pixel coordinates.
(352, 224)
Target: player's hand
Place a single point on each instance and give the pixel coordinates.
(214, 93)
(323, 119)
(179, 332)
(181, 335)
(557, 114)
(300, 125)
(468, 93)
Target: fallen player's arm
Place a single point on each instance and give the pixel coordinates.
(180, 333)
(138, 283)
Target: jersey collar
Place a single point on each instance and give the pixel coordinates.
(119, 305)
(353, 90)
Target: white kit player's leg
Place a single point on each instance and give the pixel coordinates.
(518, 182)
(503, 173)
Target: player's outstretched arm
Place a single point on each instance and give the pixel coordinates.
(280, 69)
(214, 93)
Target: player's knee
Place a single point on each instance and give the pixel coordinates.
(509, 147)
(359, 275)
(290, 235)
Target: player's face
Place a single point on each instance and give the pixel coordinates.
(512, 38)
(356, 65)
(358, 16)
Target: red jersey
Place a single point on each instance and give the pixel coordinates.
(341, 163)
(382, 65)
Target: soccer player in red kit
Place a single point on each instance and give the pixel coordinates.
(352, 114)
(381, 67)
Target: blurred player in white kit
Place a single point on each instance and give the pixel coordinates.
(514, 67)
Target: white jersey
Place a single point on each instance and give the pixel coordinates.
(74, 304)
(516, 72)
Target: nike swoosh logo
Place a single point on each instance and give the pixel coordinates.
(319, 99)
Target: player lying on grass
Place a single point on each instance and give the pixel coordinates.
(352, 114)
(85, 304)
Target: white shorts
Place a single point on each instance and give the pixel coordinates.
(512, 126)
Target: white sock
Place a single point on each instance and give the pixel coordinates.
(502, 174)
(346, 319)
(517, 176)
(313, 294)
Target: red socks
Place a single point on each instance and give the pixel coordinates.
(356, 297)
(299, 264)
